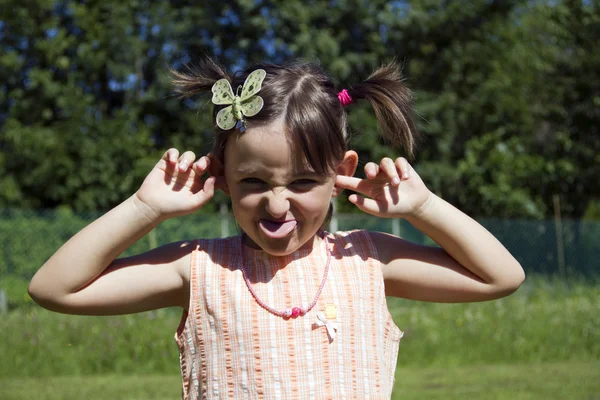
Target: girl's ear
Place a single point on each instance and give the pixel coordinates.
(347, 167)
(217, 170)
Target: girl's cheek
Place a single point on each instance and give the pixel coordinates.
(314, 201)
(248, 200)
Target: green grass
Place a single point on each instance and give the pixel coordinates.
(545, 321)
(571, 381)
(498, 382)
(542, 342)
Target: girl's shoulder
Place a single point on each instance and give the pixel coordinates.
(348, 236)
(216, 244)
(203, 252)
(220, 251)
(357, 241)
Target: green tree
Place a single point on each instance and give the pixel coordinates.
(506, 91)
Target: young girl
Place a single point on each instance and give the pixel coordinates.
(286, 309)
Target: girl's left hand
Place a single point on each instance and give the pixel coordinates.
(394, 188)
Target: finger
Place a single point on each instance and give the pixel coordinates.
(403, 166)
(201, 166)
(371, 170)
(389, 168)
(353, 183)
(369, 206)
(171, 155)
(186, 160)
(207, 163)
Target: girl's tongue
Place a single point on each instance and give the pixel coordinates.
(277, 230)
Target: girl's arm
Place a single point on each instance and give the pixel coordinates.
(471, 265)
(83, 277)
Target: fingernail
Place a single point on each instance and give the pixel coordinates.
(396, 180)
(183, 166)
(405, 176)
(202, 163)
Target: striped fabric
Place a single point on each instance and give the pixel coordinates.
(231, 348)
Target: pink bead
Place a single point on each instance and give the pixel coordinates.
(295, 312)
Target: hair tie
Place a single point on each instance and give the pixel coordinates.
(344, 98)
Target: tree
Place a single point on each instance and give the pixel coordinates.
(506, 91)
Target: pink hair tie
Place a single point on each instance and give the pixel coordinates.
(344, 98)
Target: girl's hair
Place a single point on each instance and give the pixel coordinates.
(305, 99)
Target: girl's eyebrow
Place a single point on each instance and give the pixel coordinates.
(254, 171)
(307, 173)
(245, 171)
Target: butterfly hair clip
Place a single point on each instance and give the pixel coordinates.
(246, 104)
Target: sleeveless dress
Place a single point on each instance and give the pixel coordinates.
(232, 348)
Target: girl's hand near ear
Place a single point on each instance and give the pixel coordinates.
(176, 186)
(393, 189)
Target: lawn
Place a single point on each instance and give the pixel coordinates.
(571, 381)
(543, 342)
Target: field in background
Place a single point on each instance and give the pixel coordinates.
(573, 381)
(540, 341)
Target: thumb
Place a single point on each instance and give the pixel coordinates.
(369, 206)
(208, 191)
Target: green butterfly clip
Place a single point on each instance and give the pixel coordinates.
(247, 104)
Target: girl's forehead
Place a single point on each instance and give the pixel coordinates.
(263, 148)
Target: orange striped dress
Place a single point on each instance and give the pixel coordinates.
(232, 348)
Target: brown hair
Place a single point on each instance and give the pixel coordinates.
(306, 99)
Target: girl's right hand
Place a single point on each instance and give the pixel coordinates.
(175, 186)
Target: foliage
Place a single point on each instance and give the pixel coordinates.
(506, 91)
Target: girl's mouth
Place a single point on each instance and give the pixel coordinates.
(277, 229)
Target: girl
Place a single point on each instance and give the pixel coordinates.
(286, 309)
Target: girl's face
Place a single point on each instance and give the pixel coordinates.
(277, 199)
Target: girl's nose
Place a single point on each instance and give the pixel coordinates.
(277, 205)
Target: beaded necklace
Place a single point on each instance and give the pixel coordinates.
(292, 312)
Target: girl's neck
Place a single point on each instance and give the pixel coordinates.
(252, 248)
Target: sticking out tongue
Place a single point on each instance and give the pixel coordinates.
(277, 230)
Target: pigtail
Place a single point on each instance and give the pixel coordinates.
(392, 102)
(197, 78)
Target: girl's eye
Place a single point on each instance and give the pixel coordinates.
(252, 181)
(305, 182)
(303, 185)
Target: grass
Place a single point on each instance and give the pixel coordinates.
(542, 342)
(545, 321)
(572, 381)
